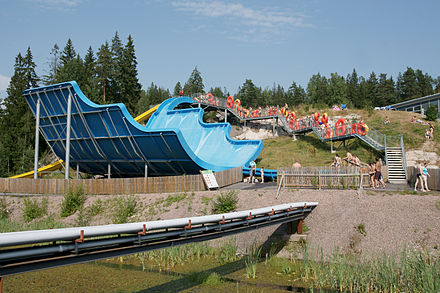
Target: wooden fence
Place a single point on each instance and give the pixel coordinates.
(323, 177)
(118, 185)
(433, 180)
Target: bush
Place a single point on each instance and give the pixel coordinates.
(431, 113)
(4, 212)
(225, 202)
(74, 199)
(33, 208)
(125, 207)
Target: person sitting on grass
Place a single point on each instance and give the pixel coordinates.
(387, 120)
(296, 164)
(349, 158)
(336, 161)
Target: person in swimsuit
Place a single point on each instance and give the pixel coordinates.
(371, 172)
(419, 171)
(425, 175)
(378, 174)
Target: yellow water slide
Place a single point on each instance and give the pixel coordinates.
(59, 164)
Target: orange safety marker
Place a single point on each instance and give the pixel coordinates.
(144, 230)
(81, 237)
(250, 216)
(189, 225)
(272, 213)
(222, 221)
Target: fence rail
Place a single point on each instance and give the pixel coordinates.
(323, 177)
(118, 185)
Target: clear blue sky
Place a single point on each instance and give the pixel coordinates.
(230, 41)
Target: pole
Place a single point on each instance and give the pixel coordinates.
(37, 139)
(226, 115)
(146, 170)
(69, 123)
(109, 170)
(77, 171)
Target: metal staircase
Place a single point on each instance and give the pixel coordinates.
(396, 161)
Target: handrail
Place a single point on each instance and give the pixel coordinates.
(373, 137)
(402, 145)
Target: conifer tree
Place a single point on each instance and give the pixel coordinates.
(194, 85)
(104, 70)
(297, 94)
(177, 89)
(129, 83)
(68, 53)
(317, 88)
(247, 94)
(17, 125)
(54, 66)
(90, 86)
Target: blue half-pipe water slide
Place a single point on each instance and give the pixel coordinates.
(174, 141)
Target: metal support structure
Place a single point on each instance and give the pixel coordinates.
(77, 171)
(109, 170)
(226, 115)
(273, 126)
(37, 140)
(69, 124)
(331, 146)
(146, 170)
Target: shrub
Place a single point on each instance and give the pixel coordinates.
(225, 202)
(125, 207)
(33, 208)
(4, 212)
(74, 199)
(431, 113)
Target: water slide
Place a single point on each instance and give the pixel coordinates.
(58, 165)
(107, 137)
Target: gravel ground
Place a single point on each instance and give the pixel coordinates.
(388, 220)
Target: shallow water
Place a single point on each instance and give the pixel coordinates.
(129, 275)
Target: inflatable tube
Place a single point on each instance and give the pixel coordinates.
(354, 128)
(340, 127)
(237, 104)
(230, 102)
(316, 116)
(324, 118)
(363, 129)
(255, 113)
(328, 133)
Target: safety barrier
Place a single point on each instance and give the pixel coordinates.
(118, 185)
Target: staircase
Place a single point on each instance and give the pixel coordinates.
(396, 165)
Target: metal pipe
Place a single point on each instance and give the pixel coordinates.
(39, 236)
(37, 138)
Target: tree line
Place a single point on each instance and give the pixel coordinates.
(111, 76)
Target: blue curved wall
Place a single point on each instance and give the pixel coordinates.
(173, 142)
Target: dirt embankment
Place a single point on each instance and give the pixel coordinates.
(373, 222)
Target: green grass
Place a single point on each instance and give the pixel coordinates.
(310, 151)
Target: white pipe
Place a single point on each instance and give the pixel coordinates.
(38, 236)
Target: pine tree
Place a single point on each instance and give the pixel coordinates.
(177, 89)
(424, 82)
(337, 90)
(194, 85)
(152, 96)
(296, 94)
(130, 87)
(104, 70)
(353, 89)
(248, 94)
(386, 91)
(90, 86)
(317, 88)
(54, 66)
(68, 53)
(17, 125)
(217, 92)
(116, 75)
(408, 85)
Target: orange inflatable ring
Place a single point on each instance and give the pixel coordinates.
(255, 113)
(292, 116)
(316, 116)
(237, 104)
(328, 133)
(324, 118)
(340, 127)
(292, 124)
(230, 102)
(363, 129)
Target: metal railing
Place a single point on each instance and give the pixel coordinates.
(35, 250)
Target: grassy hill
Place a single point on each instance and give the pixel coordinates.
(310, 151)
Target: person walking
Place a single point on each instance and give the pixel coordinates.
(378, 174)
(252, 172)
(371, 172)
(419, 171)
(425, 175)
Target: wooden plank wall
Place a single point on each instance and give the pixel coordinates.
(324, 177)
(118, 185)
(433, 181)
